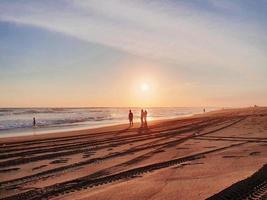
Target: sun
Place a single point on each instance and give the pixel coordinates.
(145, 87)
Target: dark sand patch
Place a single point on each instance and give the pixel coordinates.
(254, 153)
(232, 156)
(159, 151)
(59, 161)
(181, 148)
(9, 169)
(210, 147)
(39, 167)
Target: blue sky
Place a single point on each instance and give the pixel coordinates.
(98, 53)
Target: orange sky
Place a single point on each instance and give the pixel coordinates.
(100, 53)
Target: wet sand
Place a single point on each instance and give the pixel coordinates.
(188, 158)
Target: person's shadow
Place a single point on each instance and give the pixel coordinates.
(144, 128)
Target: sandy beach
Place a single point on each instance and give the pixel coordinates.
(191, 158)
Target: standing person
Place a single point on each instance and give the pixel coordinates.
(33, 122)
(142, 118)
(145, 118)
(130, 117)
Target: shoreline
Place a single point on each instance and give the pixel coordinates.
(68, 131)
(98, 129)
(18, 121)
(65, 130)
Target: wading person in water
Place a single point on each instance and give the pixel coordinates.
(33, 122)
(130, 118)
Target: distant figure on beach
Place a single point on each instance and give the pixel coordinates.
(130, 117)
(142, 118)
(204, 110)
(33, 122)
(145, 118)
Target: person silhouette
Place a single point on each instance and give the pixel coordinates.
(130, 117)
(33, 122)
(142, 118)
(145, 118)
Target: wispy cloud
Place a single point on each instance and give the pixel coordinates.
(180, 32)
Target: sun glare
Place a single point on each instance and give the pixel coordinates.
(145, 87)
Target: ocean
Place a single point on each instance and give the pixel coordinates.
(19, 121)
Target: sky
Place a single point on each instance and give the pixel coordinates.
(72, 53)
